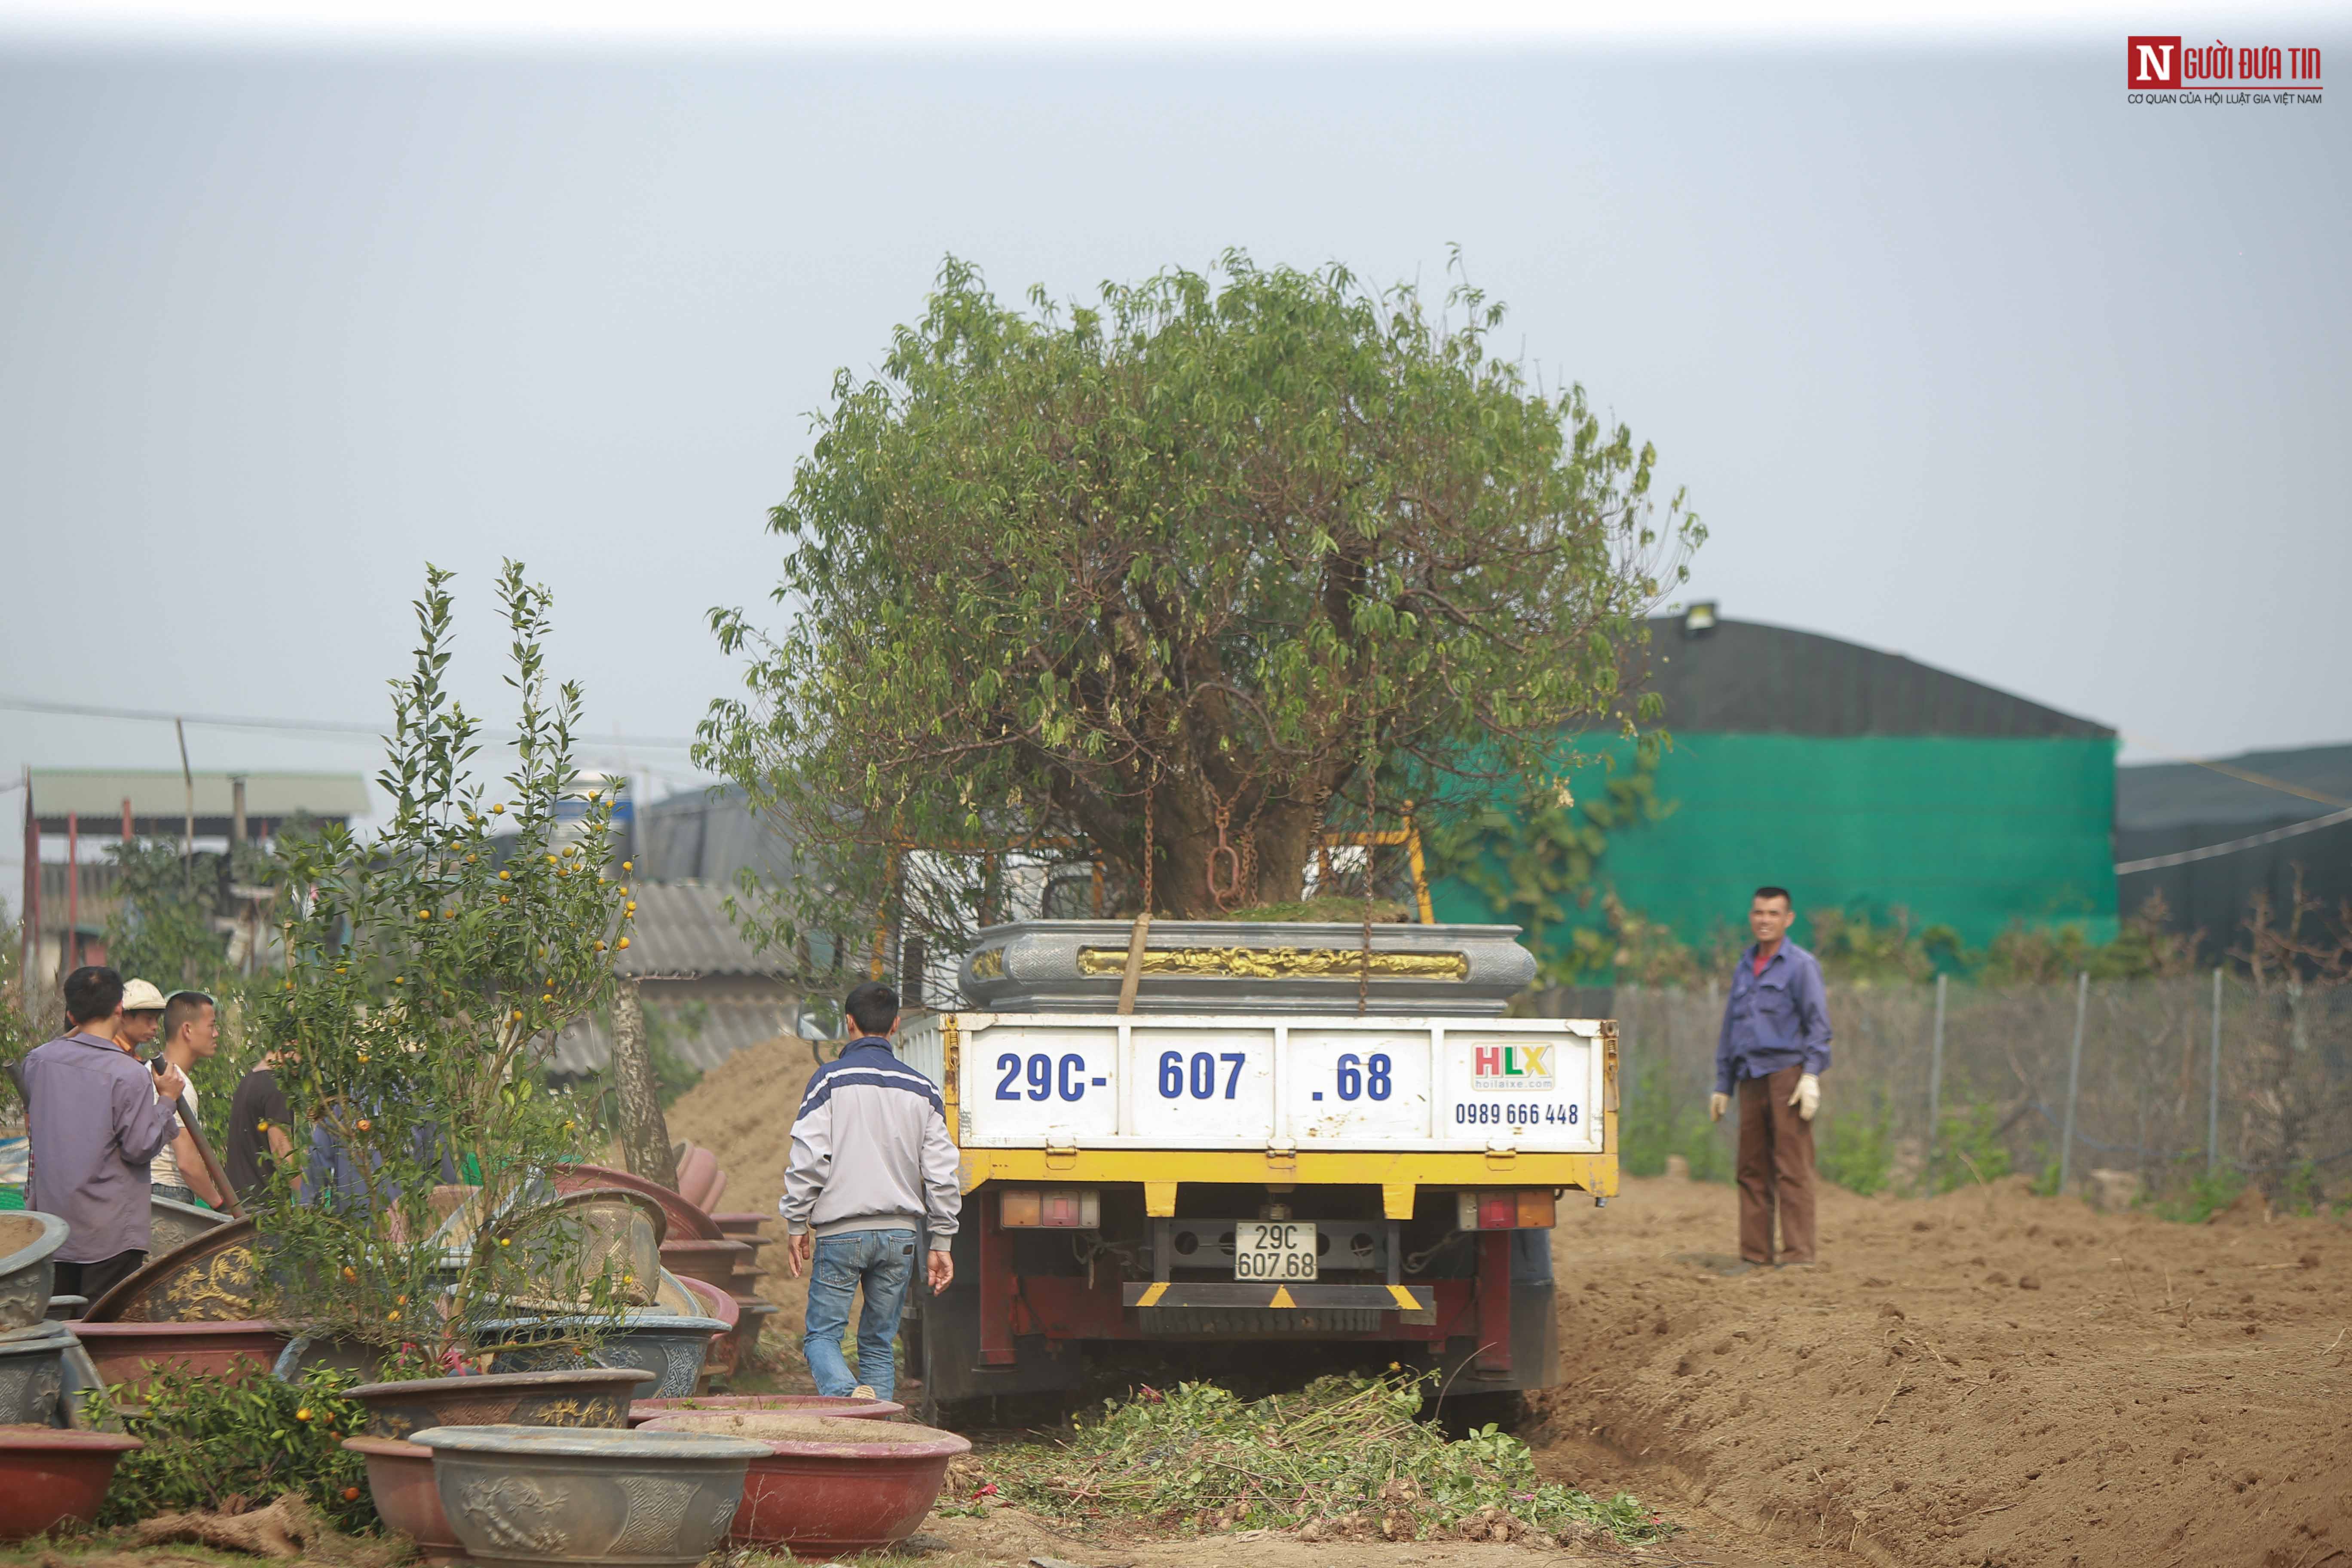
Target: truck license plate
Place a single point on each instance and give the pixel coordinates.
(1276, 1250)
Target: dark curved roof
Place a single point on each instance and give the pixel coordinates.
(1743, 676)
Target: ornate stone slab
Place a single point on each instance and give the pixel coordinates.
(1247, 966)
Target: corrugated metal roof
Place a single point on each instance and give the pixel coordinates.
(98, 792)
(682, 929)
(708, 835)
(1746, 677)
(2178, 795)
(726, 1027)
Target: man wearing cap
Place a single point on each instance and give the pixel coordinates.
(142, 1015)
(97, 1117)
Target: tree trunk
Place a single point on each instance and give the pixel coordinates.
(644, 1135)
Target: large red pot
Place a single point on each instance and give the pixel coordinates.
(644, 1410)
(49, 1478)
(400, 1479)
(124, 1351)
(832, 1496)
(710, 1261)
(742, 1227)
(687, 1222)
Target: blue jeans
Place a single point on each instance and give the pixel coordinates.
(884, 1262)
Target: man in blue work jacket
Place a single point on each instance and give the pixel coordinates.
(1774, 1047)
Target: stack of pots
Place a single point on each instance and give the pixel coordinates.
(753, 1309)
(53, 1472)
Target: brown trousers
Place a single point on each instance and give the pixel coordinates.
(1776, 1169)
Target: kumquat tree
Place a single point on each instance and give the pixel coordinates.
(1183, 576)
(428, 970)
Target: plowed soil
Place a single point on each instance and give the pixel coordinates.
(1987, 1378)
(1984, 1380)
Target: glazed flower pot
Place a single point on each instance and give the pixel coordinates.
(742, 1227)
(33, 1375)
(533, 1495)
(124, 1352)
(719, 1360)
(173, 1223)
(400, 1479)
(700, 1180)
(671, 1348)
(49, 1478)
(585, 1396)
(687, 1222)
(709, 1261)
(828, 1487)
(211, 1277)
(66, 1309)
(645, 1410)
(27, 1241)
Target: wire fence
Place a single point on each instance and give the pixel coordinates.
(2114, 1087)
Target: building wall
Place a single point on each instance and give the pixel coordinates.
(1971, 833)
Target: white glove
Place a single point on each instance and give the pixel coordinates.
(1716, 1104)
(1807, 1098)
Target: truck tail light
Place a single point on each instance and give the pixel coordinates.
(1524, 1208)
(1050, 1208)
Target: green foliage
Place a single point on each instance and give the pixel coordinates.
(1857, 1148)
(1653, 1124)
(1535, 858)
(217, 1444)
(427, 982)
(1858, 950)
(2201, 1196)
(1211, 541)
(1968, 1148)
(20, 1028)
(1338, 1450)
(2045, 1179)
(162, 928)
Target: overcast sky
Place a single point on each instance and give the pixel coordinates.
(1956, 353)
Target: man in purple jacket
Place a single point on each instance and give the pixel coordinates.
(1774, 1047)
(97, 1117)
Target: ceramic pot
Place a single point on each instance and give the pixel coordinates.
(173, 1223)
(66, 1309)
(125, 1352)
(699, 1179)
(211, 1277)
(49, 1478)
(742, 1227)
(32, 1374)
(687, 1223)
(645, 1410)
(587, 1396)
(753, 1315)
(533, 1495)
(27, 1238)
(400, 1479)
(828, 1494)
(672, 1348)
(712, 1261)
(720, 1359)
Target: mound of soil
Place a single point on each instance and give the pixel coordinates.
(742, 1112)
(1988, 1378)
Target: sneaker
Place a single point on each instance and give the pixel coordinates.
(863, 1391)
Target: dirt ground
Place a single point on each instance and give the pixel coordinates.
(1987, 1378)
(1984, 1380)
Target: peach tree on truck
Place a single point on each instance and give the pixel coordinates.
(1162, 578)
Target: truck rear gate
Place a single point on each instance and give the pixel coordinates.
(1187, 1178)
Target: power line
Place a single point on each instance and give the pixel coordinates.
(291, 726)
(2253, 841)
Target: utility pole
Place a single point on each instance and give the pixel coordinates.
(187, 843)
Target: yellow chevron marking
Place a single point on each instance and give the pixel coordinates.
(1282, 1297)
(1404, 1299)
(1151, 1296)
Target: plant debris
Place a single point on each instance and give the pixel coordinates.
(1343, 1459)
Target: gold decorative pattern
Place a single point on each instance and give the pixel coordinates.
(598, 1411)
(1278, 962)
(989, 964)
(219, 1289)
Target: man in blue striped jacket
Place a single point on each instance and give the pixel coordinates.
(873, 1172)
